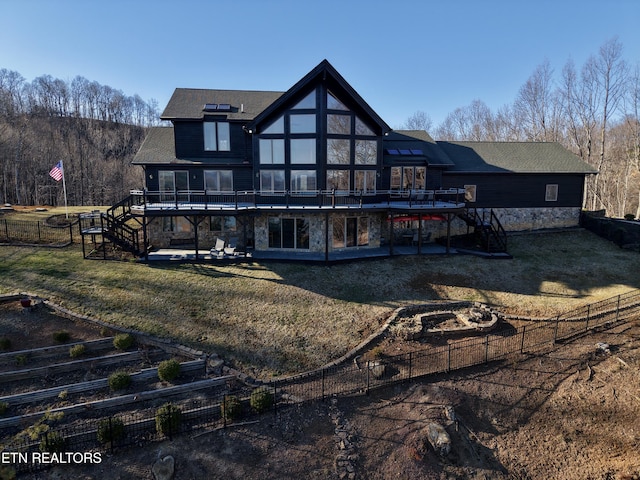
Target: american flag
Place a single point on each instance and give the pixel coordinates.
(56, 171)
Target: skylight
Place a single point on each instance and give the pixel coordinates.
(217, 107)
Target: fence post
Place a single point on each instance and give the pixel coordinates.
(368, 370)
(586, 325)
(71, 232)
(39, 232)
(524, 328)
(555, 330)
(410, 363)
(486, 349)
(618, 308)
(449, 359)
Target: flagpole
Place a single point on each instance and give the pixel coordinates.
(64, 189)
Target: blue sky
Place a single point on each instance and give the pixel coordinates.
(401, 56)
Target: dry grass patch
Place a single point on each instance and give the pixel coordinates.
(271, 319)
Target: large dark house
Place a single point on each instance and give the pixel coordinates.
(315, 173)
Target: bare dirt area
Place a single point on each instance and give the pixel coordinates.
(568, 412)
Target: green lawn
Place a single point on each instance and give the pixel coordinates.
(276, 318)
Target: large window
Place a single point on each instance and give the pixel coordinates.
(350, 232)
(303, 150)
(408, 178)
(288, 233)
(338, 180)
(218, 181)
(223, 225)
(302, 123)
(271, 151)
(338, 151)
(366, 152)
(272, 181)
(365, 181)
(551, 192)
(176, 224)
(303, 180)
(216, 136)
(171, 182)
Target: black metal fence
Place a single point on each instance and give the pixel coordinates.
(353, 377)
(35, 233)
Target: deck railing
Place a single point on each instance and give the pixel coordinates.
(261, 199)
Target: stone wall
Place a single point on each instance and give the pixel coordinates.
(515, 220)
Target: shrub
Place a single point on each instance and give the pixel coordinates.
(62, 336)
(52, 442)
(168, 419)
(123, 341)
(261, 399)
(231, 407)
(5, 343)
(21, 360)
(168, 370)
(77, 350)
(119, 380)
(111, 430)
(4, 406)
(629, 216)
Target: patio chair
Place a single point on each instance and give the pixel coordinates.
(218, 249)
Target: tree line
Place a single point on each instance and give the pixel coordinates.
(94, 129)
(593, 111)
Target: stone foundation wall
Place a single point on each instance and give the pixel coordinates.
(515, 220)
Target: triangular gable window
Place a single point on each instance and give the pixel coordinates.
(334, 104)
(307, 102)
(362, 128)
(276, 127)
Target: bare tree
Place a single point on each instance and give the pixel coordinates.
(418, 121)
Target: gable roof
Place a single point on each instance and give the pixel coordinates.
(325, 72)
(157, 147)
(513, 157)
(188, 103)
(414, 141)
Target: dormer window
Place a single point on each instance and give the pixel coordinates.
(216, 137)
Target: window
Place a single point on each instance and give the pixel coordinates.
(351, 232)
(272, 181)
(277, 127)
(551, 193)
(302, 123)
(223, 224)
(303, 180)
(338, 152)
(334, 104)
(365, 181)
(366, 152)
(303, 150)
(338, 180)
(176, 224)
(339, 124)
(271, 151)
(218, 180)
(307, 102)
(362, 128)
(408, 178)
(216, 136)
(288, 233)
(470, 193)
(171, 182)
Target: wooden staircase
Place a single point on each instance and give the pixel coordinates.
(113, 228)
(488, 232)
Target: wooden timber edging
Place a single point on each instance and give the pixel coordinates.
(168, 345)
(93, 346)
(58, 368)
(128, 399)
(47, 393)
